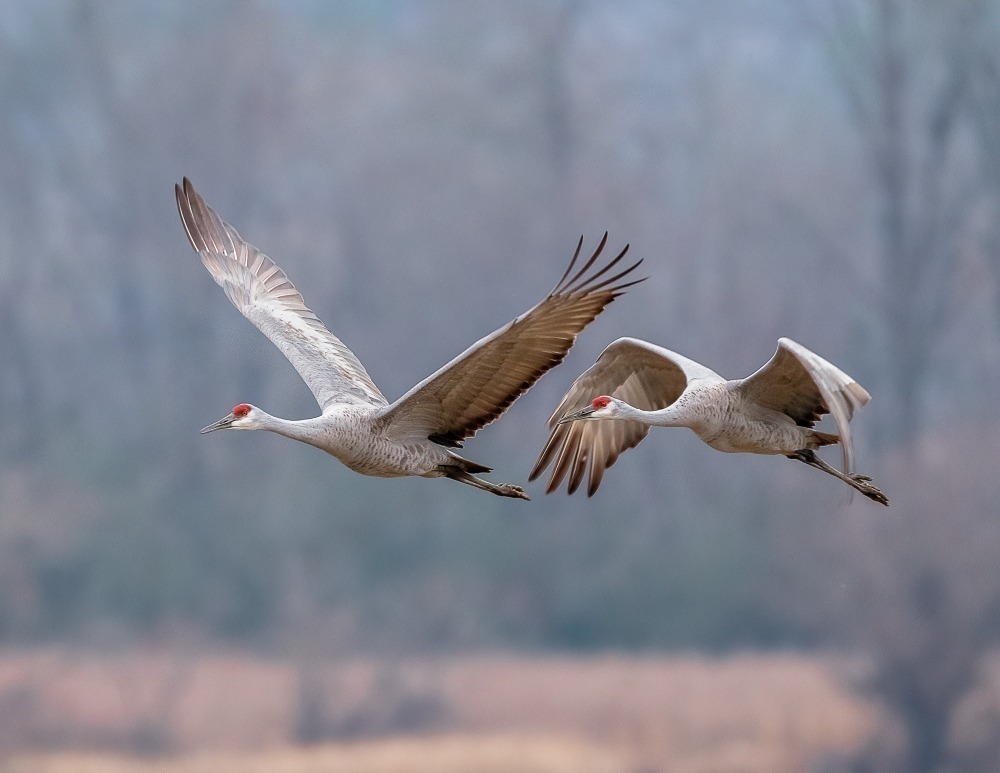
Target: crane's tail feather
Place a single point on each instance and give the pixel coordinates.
(825, 438)
(463, 465)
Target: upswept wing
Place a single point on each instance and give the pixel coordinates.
(481, 383)
(641, 374)
(266, 297)
(800, 383)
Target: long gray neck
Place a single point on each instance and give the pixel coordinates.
(673, 415)
(305, 430)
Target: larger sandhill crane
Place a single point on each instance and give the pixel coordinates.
(635, 385)
(358, 425)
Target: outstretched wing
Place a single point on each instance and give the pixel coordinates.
(801, 384)
(637, 372)
(481, 383)
(266, 297)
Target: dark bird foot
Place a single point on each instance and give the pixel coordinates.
(863, 484)
(510, 490)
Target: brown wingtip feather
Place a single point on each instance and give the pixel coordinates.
(572, 262)
(564, 283)
(582, 284)
(544, 459)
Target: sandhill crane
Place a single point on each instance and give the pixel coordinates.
(358, 425)
(635, 385)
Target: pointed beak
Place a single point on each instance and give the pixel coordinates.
(224, 423)
(583, 413)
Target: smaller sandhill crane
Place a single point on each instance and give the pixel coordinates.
(635, 385)
(358, 426)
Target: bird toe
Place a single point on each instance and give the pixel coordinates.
(510, 490)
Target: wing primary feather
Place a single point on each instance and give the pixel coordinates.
(588, 284)
(590, 288)
(184, 210)
(569, 268)
(578, 467)
(564, 287)
(597, 465)
(564, 460)
(545, 457)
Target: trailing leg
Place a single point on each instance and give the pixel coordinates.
(501, 490)
(861, 483)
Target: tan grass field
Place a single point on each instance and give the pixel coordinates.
(65, 712)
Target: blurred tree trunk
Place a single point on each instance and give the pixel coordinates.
(555, 86)
(917, 593)
(905, 70)
(907, 120)
(19, 387)
(984, 108)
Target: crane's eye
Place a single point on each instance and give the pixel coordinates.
(602, 402)
(241, 410)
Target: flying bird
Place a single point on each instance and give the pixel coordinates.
(635, 385)
(413, 435)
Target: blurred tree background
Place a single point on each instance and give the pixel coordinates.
(823, 169)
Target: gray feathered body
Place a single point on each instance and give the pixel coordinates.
(722, 416)
(772, 411)
(357, 436)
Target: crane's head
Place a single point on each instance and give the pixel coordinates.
(603, 407)
(244, 416)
